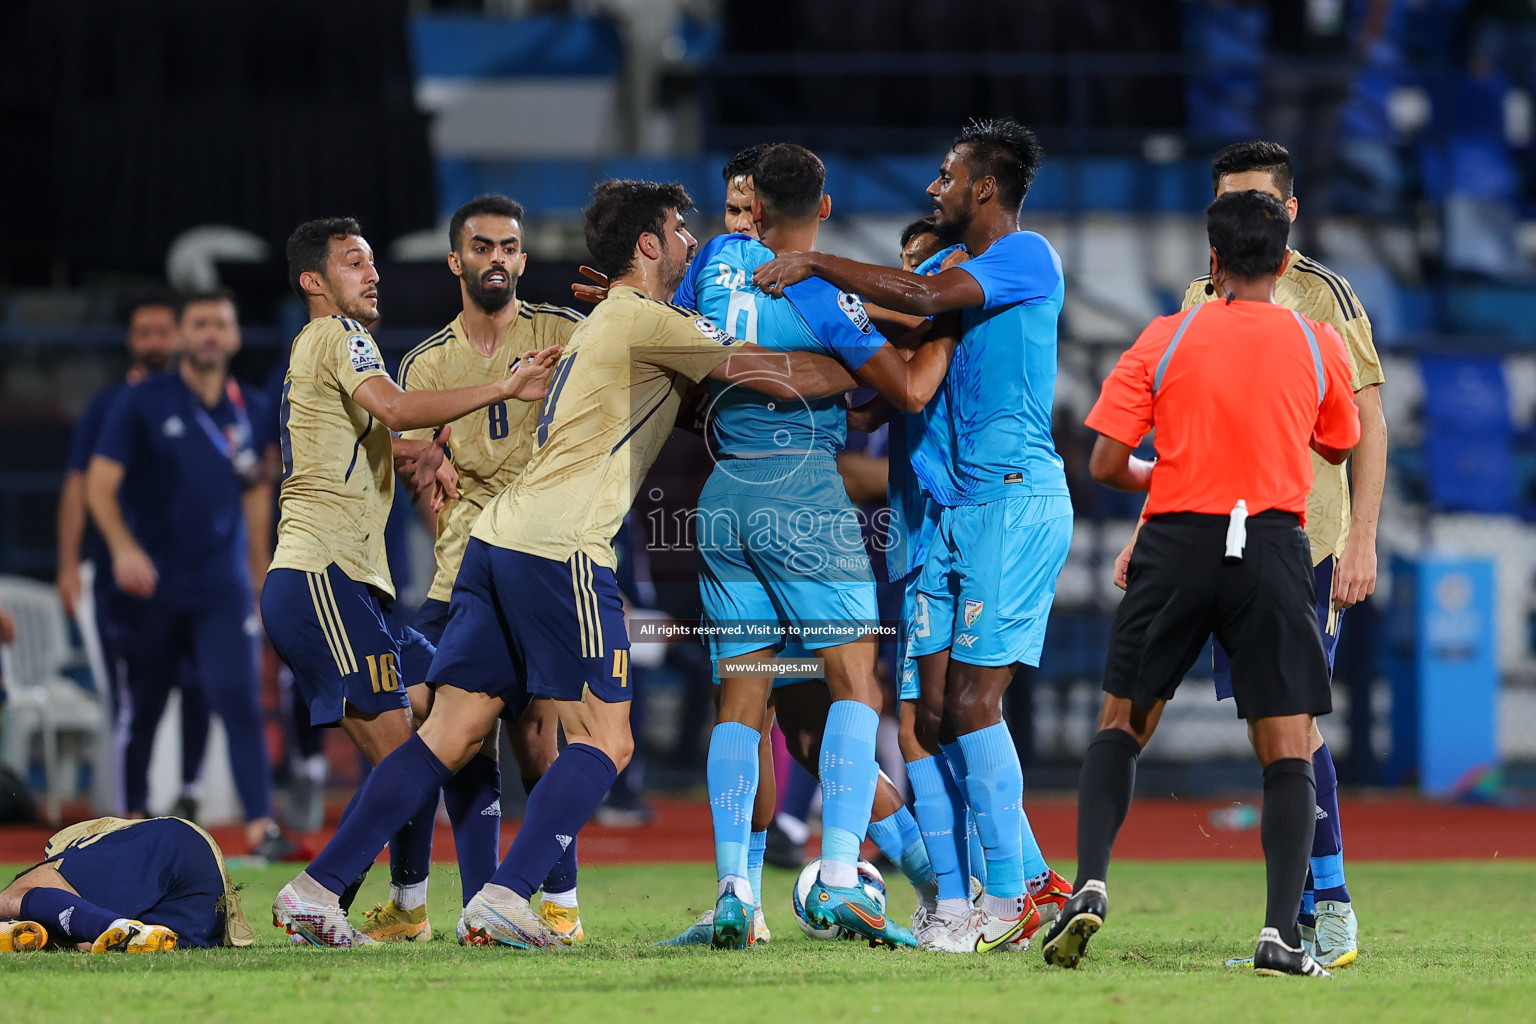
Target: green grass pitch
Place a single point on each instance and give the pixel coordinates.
(1442, 942)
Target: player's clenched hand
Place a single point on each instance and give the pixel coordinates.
(954, 259)
(782, 271)
(134, 572)
(1354, 578)
(529, 381)
(7, 627)
(593, 293)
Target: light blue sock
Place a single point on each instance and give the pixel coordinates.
(935, 800)
(898, 838)
(755, 864)
(974, 860)
(995, 783)
(978, 853)
(731, 772)
(848, 773)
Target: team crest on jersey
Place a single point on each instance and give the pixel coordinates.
(853, 308)
(972, 612)
(173, 427)
(707, 328)
(364, 355)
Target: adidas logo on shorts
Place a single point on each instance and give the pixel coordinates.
(564, 841)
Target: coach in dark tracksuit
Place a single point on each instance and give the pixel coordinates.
(1237, 391)
(181, 465)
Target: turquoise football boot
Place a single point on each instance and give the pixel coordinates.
(853, 910)
(733, 921)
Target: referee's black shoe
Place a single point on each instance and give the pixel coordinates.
(1274, 958)
(1079, 920)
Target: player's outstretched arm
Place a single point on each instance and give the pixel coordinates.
(1114, 464)
(412, 410)
(785, 375)
(914, 294)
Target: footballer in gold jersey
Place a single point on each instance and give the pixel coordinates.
(328, 604)
(489, 448)
(536, 609)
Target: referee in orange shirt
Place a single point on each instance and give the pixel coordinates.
(1222, 551)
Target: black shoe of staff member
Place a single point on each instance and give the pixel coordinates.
(782, 851)
(1080, 919)
(1274, 958)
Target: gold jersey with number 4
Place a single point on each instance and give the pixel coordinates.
(338, 469)
(490, 446)
(1318, 293)
(611, 405)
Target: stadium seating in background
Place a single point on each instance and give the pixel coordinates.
(1469, 439)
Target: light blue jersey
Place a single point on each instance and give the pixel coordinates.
(1002, 382)
(779, 541)
(815, 318)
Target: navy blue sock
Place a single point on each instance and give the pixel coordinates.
(66, 915)
(1328, 840)
(349, 894)
(394, 793)
(410, 849)
(473, 800)
(561, 877)
(558, 808)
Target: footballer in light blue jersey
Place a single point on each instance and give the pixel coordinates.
(779, 538)
(988, 582)
(782, 549)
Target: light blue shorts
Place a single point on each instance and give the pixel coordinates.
(782, 557)
(986, 589)
(908, 685)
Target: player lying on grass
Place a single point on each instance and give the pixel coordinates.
(111, 885)
(536, 610)
(1004, 522)
(1222, 551)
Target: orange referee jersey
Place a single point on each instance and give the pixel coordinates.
(1235, 392)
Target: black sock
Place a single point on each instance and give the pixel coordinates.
(1103, 799)
(1289, 818)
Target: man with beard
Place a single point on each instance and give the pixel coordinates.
(536, 610)
(179, 485)
(1005, 523)
(153, 339)
(489, 448)
(329, 603)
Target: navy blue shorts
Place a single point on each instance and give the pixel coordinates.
(432, 619)
(159, 871)
(1221, 665)
(522, 626)
(347, 645)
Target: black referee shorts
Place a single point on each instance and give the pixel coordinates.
(1262, 609)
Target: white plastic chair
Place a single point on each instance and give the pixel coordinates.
(41, 701)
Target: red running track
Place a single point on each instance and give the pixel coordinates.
(1376, 828)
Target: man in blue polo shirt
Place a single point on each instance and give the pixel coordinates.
(179, 486)
(153, 339)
